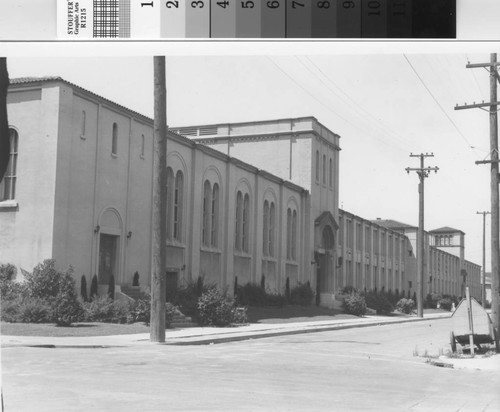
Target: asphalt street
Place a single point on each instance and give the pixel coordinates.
(372, 369)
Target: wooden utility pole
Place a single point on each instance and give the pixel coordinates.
(422, 173)
(158, 281)
(483, 277)
(494, 160)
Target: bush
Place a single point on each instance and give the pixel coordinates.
(141, 311)
(405, 306)
(104, 309)
(44, 281)
(251, 295)
(111, 287)
(217, 309)
(93, 288)
(445, 304)
(354, 304)
(302, 294)
(378, 302)
(9, 288)
(186, 297)
(276, 300)
(33, 310)
(83, 288)
(347, 290)
(135, 279)
(170, 311)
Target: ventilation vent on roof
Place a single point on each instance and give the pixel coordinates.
(208, 130)
(188, 131)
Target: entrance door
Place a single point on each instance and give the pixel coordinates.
(107, 257)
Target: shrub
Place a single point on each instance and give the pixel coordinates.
(104, 309)
(347, 290)
(44, 281)
(83, 288)
(251, 294)
(135, 279)
(275, 299)
(217, 309)
(431, 300)
(445, 303)
(302, 294)
(186, 297)
(170, 311)
(66, 308)
(240, 315)
(378, 302)
(287, 289)
(9, 288)
(111, 287)
(32, 310)
(354, 304)
(405, 305)
(263, 282)
(93, 288)
(141, 310)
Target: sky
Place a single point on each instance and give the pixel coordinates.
(385, 101)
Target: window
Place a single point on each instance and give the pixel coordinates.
(178, 192)
(246, 223)
(207, 194)
(330, 174)
(239, 218)
(324, 169)
(214, 216)
(114, 140)
(291, 234)
(170, 201)
(265, 231)
(143, 145)
(8, 183)
(317, 165)
(83, 125)
(272, 218)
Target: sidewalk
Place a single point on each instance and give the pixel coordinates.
(210, 335)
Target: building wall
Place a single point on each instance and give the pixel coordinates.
(26, 224)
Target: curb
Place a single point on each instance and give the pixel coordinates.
(210, 340)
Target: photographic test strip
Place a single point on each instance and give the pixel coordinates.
(255, 19)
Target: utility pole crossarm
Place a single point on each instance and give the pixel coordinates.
(476, 105)
(475, 65)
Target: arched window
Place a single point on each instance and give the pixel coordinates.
(246, 223)
(239, 220)
(143, 145)
(207, 201)
(324, 169)
(272, 219)
(84, 124)
(265, 231)
(330, 174)
(293, 252)
(291, 234)
(170, 202)
(178, 200)
(215, 216)
(8, 183)
(114, 140)
(317, 165)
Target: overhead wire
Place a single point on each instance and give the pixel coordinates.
(439, 104)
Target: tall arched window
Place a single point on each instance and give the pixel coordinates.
(265, 230)
(215, 216)
(293, 252)
(330, 174)
(272, 219)
(324, 169)
(114, 140)
(8, 183)
(207, 201)
(239, 220)
(84, 124)
(289, 234)
(317, 165)
(178, 200)
(246, 223)
(170, 202)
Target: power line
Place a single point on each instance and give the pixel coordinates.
(437, 102)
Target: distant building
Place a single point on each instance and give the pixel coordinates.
(246, 201)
